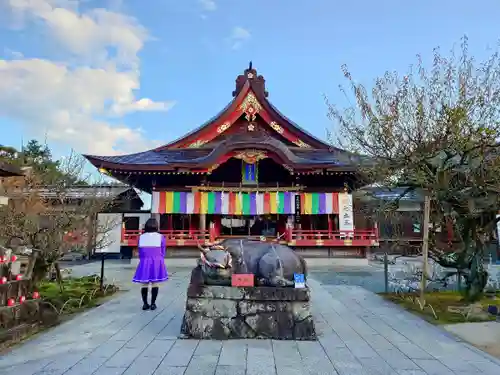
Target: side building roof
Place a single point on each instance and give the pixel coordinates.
(9, 170)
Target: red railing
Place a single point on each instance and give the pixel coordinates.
(173, 237)
(293, 237)
(362, 237)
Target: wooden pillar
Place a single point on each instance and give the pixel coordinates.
(218, 224)
(203, 222)
(211, 233)
(155, 216)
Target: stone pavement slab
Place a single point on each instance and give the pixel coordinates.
(359, 334)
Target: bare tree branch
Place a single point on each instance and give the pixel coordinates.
(435, 130)
(52, 218)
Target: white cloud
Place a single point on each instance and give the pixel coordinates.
(239, 35)
(85, 35)
(68, 104)
(144, 104)
(208, 5)
(73, 103)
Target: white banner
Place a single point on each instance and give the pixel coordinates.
(346, 214)
(155, 202)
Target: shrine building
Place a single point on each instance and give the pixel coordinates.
(248, 172)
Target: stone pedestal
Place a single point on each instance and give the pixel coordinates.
(223, 312)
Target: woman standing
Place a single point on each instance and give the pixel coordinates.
(151, 268)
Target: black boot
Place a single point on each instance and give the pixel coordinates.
(144, 294)
(154, 294)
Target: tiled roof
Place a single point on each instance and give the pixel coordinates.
(152, 157)
(8, 170)
(85, 192)
(389, 194)
(80, 192)
(190, 156)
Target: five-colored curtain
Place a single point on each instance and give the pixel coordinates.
(243, 203)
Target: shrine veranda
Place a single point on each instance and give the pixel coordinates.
(248, 172)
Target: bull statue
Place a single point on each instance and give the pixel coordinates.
(271, 263)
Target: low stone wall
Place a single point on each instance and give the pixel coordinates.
(223, 312)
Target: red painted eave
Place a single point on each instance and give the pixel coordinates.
(292, 127)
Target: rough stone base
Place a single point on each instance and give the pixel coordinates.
(222, 312)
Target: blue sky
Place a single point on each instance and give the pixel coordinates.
(115, 76)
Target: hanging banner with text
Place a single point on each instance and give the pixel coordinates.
(346, 214)
(298, 209)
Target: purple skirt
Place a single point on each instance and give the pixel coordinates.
(151, 270)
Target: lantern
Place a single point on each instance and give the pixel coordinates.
(3, 259)
(11, 302)
(13, 258)
(19, 277)
(22, 299)
(3, 280)
(36, 295)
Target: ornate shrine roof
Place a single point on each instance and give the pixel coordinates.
(214, 142)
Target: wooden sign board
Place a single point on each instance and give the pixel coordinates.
(242, 280)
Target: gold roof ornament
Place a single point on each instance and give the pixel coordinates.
(251, 156)
(198, 143)
(276, 127)
(222, 128)
(104, 171)
(250, 106)
(301, 143)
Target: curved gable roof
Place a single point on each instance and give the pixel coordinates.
(247, 85)
(250, 100)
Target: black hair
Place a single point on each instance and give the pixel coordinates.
(151, 226)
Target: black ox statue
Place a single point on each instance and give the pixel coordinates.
(271, 263)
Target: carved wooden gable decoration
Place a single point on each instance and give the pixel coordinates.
(249, 108)
(250, 101)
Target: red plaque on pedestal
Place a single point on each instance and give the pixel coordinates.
(242, 280)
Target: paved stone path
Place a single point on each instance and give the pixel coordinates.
(360, 334)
